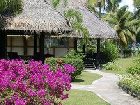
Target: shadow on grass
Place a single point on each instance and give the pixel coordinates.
(78, 80)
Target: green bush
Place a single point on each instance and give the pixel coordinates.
(127, 52)
(134, 70)
(131, 81)
(77, 63)
(73, 55)
(110, 51)
(131, 84)
(112, 66)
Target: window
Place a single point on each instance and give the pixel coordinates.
(56, 42)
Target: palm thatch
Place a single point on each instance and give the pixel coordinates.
(97, 28)
(39, 16)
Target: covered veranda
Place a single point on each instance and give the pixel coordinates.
(97, 28)
(37, 19)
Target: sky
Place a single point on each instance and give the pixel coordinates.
(129, 3)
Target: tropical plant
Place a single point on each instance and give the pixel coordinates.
(75, 18)
(136, 3)
(137, 28)
(123, 22)
(112, 66)
(57, 2)
(76, 62)
(108, 5)
(10, 7)
(110, 51)
(131, 84)
(74, 55)
(33, 83)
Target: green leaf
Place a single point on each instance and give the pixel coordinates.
(55, 3)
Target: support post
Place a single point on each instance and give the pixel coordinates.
(25, 45)
(3, 44)
(35, 44)
(75, 44)
(41, 46)
(84, 48)
(68, 46)
(98, 53)
(98, 39)
(11, 40)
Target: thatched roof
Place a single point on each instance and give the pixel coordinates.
(39, 16)
(97, 28)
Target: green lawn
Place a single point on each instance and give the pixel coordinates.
(79, 97)
(86, 78)
(124, 63)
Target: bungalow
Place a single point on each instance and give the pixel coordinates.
(40, 28)
(37, 21)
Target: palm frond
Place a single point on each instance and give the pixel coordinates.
(133, 22)
(55, 3)
(73, 15)
(130, 35)
(122, 37)
(121, 12)
(3, 4)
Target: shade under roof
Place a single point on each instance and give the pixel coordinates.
(39, 16)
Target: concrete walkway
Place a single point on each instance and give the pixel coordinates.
(107, 89)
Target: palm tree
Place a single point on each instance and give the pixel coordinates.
(8, 7)
(124, 23)
(57, 2)
(136, 3)
(137, 28)
(108, 5)
(75, 18)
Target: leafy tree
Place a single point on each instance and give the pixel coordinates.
(10, 7)
(57, 2)
(137, 3)
(124, 23)
(108, 5)
(76, 19)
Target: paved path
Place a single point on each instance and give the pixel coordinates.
(107, 89)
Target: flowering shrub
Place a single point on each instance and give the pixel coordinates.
(77, 63)
(33, 83)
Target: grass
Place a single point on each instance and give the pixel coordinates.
(86, 78)
(124, 63)
(79, 97)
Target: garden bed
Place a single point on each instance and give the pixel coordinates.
(131, 85)
(130, 82)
